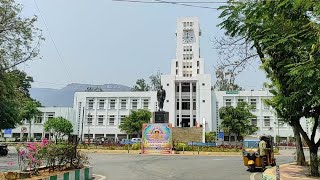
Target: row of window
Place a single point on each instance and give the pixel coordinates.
(187, 56)
(266, 121)
(187, 24)
(252, 102)
(187, 48)
(111, 119)
(41, 118)
(198, 64)
(112, 104)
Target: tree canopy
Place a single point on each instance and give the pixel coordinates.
(237, 120)
(60, 127)
(19, 38)
(285, 35)
(133, 123)
(141, 85)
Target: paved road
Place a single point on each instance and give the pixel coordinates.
(156, 167)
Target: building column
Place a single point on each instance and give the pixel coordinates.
(180, 104)
(191, 106)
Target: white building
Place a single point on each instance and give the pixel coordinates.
(266, 120)
(190, 100)
(37, 129)
(188, 87)
(99, 114)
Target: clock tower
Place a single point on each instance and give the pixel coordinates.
(188, 87)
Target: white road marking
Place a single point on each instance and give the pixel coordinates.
(99, 177)
(252, 176)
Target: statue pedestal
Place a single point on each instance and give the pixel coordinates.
(160, 117)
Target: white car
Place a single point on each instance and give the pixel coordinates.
(136, 140)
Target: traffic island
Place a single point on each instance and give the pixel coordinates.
(75, 174)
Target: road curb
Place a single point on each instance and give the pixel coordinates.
(269, 174)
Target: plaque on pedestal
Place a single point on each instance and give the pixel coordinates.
(160, 117)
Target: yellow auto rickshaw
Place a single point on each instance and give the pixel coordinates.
(251, 155)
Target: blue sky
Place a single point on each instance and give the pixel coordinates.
(104, 41)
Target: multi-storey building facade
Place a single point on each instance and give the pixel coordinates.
(36, 127)
(99, 114)
(266, 119)
(190, 99)
(188, 87)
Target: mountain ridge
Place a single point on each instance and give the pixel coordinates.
(64, 97)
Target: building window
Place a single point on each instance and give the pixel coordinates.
(89, 119)
(121, 119)
(253, 103)
(266, 120)
(167, 84)
(145, 104)
(112, 104)
(198, 64)
(185, 104)
(281, 122)
(50, 116)
(176, 71)
(100, 119)
(111, 120)
(123, 104)
(134, 104)
(178, 104)
(90, 103)
(240, 100)
(197, 71)
(203, 101)
(254, 121)
(185, 87)
(177, 88)
(228, 102)
(203, 84)
(101, 103)
(38, 119)
(177, 63)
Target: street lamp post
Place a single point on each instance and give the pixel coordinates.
(88, 128)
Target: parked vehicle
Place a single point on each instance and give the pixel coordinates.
(126, 141)
(4, 150)
(251, 156)
(136, 140)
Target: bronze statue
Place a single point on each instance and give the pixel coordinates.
(161, 96)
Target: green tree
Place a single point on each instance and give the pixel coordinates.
(30, 111)
(60, 127)
(155, 81)
(19, 38)
(14, 98)
(132, 124)
(237, 120)
(141, 85)
(211, 137)
(285, 52)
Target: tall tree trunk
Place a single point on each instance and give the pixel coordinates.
(301, 160)
(314, 161)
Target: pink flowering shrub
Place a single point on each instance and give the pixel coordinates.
(32, 156)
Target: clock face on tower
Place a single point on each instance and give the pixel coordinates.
(188, 37)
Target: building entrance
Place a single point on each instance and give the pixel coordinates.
(185, 122)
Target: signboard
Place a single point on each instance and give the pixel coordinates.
(156, 138)
(221, 136)
(7, 133)
(232, 92)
